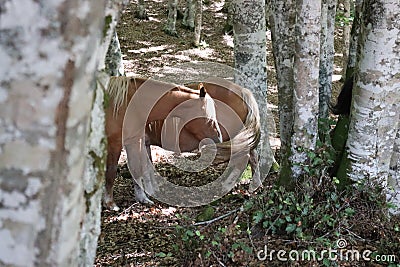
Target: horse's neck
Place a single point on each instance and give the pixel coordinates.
(219, 93)
(171, 96)
(170, 100)
(136, 83)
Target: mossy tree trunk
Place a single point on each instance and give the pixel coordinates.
(49, 56)
(109, 63)
(251, 66)
(375, 114)
(328, 12)
(283, 17)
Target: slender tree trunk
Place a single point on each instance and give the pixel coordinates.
(250, 65)
(353, 46)
(306, 72)
(283, 39)
(376, 95)
(189, 15)
(228, 27)
(170, 27)
(49, 59)
(140, 12)
(198, 24)
(341, 164)
(346, 34)
(393, 192)
(109, 58)
(328, 12)
(113, 61)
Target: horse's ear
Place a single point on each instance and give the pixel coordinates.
(202, 90)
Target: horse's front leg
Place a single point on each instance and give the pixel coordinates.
(255, 170)
(140, 169)
(113, 153)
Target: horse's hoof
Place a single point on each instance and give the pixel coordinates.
(111, 206)
(145, 201)
(114, 208)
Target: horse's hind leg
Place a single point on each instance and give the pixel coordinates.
(114, 151)
(137, 164)
(255, 170)
(140, 195)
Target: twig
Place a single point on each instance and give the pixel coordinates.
(128, 209)
(250, 238)
(220, 262)
(354, 234)
(216, 219)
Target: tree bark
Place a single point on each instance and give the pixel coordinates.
(110, 64)
(189, 15)
(113, 60)
(49, 58)
(376, 95)
(227, 8)
(250, 65)
(198, 24)
(170, 27)
(306, 72)
(354, 34)
(140, 12)
(328, 12)
(393, 192)
(346, 34)
(283, 39)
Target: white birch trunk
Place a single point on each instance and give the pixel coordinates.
(140, 12)
(113, 61)
(198, 24)
(376, 94)
(328, 12)
(354, 34)
(93, 180)
(48, 52)
(189, 16)
(393, 192)
(250, 65)
(283, 17)
(346, 34)
(227, 8)
(306, 72)
(170, 27)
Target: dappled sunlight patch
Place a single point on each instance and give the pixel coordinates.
(216, 5)
(204, 53)
(153, 19)
(151, 49)
(178, 57)
(168, 211)
(228, 40)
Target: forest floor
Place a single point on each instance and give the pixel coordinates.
(226, 232)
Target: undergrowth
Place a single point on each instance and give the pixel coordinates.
(316, 216)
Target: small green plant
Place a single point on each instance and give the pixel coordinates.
(163, 255)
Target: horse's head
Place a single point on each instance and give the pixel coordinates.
(201, 117)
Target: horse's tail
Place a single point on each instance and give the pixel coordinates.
(248, 137)
(117, 90)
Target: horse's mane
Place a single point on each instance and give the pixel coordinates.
(117, 89)
(249, 136)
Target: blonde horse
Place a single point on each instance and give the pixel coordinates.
(136, 102)
(237, 135)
